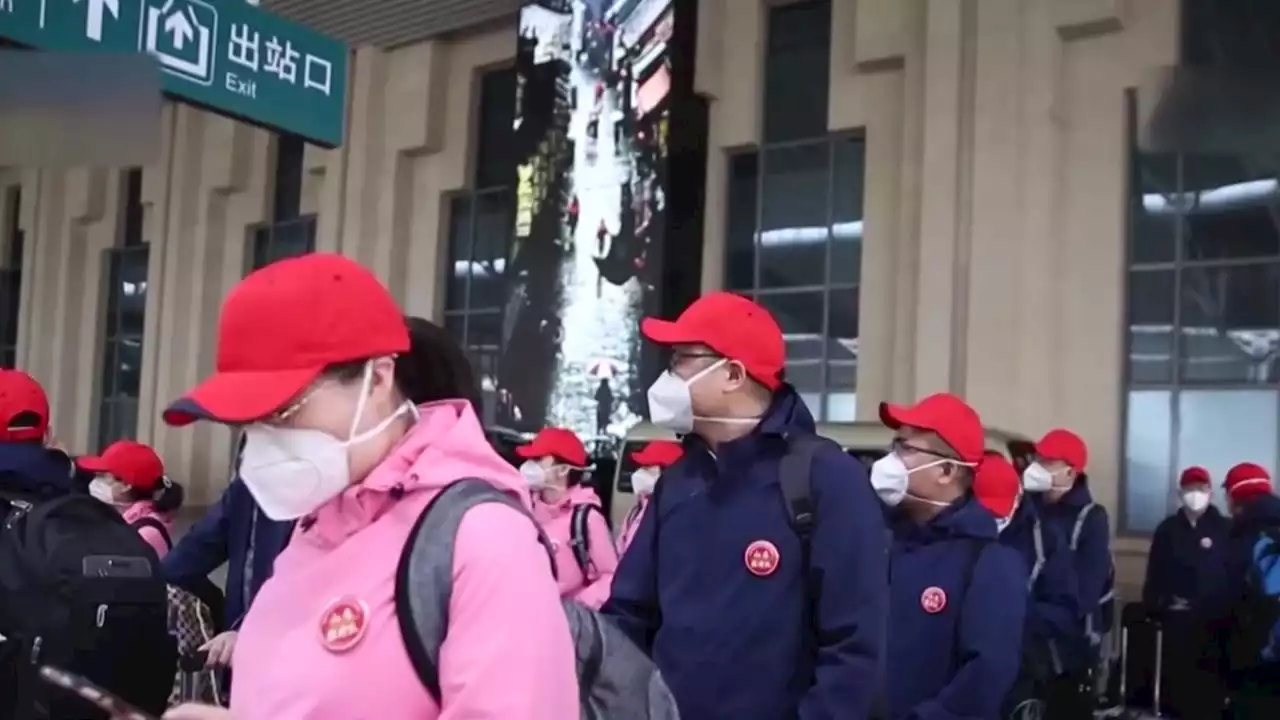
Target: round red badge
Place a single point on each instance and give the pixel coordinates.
(1206, 543)
(761, 558)
(933, 600)
(343, 624)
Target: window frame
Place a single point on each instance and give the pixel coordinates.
(1176, 385)
(11, 274)
(287, 182)
(131, 243)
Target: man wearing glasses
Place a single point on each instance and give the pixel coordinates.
(749, 608)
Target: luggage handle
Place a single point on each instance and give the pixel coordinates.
(193, 661)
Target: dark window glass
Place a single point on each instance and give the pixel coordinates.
(797, 71)
(1230, 207)
(1151, 323)
(280, 240)
(801, 316)
(11, 280)
(458, 273)
(740, 226)
(493, 226)
(849, 167)
(495, 164)
(133, 208)
(842, 354)
(287, 201)
(1230, 324)
(794, 217)
(1153, 234)
(126, 270)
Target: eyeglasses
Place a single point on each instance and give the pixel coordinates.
(679, 357)
(900, 446)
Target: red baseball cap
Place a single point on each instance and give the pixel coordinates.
(946, 415)
(661, 453)
(1247, 480)
(1194, 475)
(996, 484)
(132, 463)
(281, 326)
(1064, 445)
(24, 408)
(735, 327)
(559, 443)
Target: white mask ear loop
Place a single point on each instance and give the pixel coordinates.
(366, 383)
(709, 418)
(365, 386)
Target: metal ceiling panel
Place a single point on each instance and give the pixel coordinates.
(387, 23)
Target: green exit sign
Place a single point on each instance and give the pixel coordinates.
(226, 55)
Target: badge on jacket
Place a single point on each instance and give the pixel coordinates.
(933, 600)
(343, 624)
(761, 558)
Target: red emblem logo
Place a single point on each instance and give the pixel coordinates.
(343, 624)
(761, 558)
(1206, 543)
(933, 600)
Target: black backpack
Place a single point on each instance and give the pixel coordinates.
(79, 590)
(617, 681)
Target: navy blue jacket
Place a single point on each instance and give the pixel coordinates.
(732, 645)
(1093, 552)
(959, 661)
(30, 468)
(1187, 561)
(1248, 522)
(222, 536)
(1054, 613)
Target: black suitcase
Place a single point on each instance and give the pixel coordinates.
(1141, 662)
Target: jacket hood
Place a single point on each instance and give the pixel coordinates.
(34, 468)
(1263, 511)
(583, 495)
(576, 495)
(965, 518)
(447, 443)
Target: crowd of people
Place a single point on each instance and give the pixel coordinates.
(383, 560)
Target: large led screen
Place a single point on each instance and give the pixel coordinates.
(593, 86)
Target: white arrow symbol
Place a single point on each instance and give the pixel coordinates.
(180, 28)
(93, 23)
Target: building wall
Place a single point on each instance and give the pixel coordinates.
(995, 208)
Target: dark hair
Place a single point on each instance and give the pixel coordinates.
(435, 368)
(165, 497)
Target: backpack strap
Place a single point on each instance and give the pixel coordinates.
(424, 575)
(1079, 525)
(1037, 538)
(580, 535)
(154, 524)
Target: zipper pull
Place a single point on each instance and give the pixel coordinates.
(102, 615)
(35, 650)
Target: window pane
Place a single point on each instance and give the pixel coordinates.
(459, 265)
(10, 299)
(800, 316)
(492, 233)
(1230, 323)
(740, 230)
(290, 150)
(1151, 309)
(129, 367)
(260, 247)
(132, 208)
(797, 71)
(1231, 207)
(842, 355)
(484, 336)
(849, 156)
(1148, 441)
(455, 323)
(1219, 428)
(124, 421)
(108, 387)
(1154, 208)
(793, 244)
(286, 239)
(132, 287)
(495, 148)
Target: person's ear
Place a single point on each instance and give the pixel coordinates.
(737, 376)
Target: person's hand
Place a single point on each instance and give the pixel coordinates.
(220, 649)
(191, 711)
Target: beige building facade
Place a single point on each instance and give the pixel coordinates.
(997, 147)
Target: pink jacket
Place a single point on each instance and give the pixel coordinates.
(144, 509)
(591, 589)
(508, 654)
(632, 523)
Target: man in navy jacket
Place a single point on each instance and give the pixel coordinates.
(713, 583)
(235, 532)
(959, 597)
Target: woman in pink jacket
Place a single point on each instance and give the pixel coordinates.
(586, 559)
(130, 476)
(317, 364)
(650, 461)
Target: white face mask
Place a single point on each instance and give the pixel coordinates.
(535, 476)
(1037, 478)
(671, 403)
(103, 489)
(889, 478)
(1195, 500)
(643, 480)
(291, 472)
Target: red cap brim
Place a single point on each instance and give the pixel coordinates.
(235, 398)
(529, 452)
(92, 463)
(895, 416)
(666, 332)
